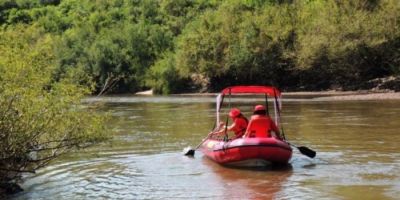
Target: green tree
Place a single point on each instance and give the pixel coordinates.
(233, 45)
(40, 118)
(311, 44)
(164, 79)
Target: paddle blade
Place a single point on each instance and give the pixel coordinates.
(188, 151)
(308, 152)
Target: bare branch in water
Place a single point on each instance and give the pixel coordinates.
(111, 81)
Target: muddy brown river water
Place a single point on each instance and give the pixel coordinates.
(357, 144)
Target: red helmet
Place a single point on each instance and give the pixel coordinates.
(259, 107)
(234, 112)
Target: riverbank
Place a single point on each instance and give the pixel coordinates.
(330, 95)
(346, 95)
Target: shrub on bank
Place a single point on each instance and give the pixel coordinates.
(40, 118)
(295, 45)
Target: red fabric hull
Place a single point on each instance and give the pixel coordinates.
(270, 150)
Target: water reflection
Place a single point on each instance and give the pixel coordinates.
(250, 183)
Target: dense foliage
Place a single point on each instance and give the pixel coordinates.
(40, 118)
(200, 45)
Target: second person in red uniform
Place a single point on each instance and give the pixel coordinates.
(238, 126)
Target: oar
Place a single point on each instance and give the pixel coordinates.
(305, 150)
(188, 151)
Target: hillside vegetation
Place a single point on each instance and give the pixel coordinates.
(175, 46)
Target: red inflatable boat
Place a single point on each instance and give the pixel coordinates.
(248, 152)
(259, 150)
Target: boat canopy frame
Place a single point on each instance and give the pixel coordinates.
(268, 91)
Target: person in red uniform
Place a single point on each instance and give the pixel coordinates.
(238, 126)
(261, 125)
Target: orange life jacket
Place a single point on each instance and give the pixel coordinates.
(260, 126)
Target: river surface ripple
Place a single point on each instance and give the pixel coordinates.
(357, 144)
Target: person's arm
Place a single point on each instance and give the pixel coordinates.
(247, 133)
(221, 129)
(230, 128)
(275, 129)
